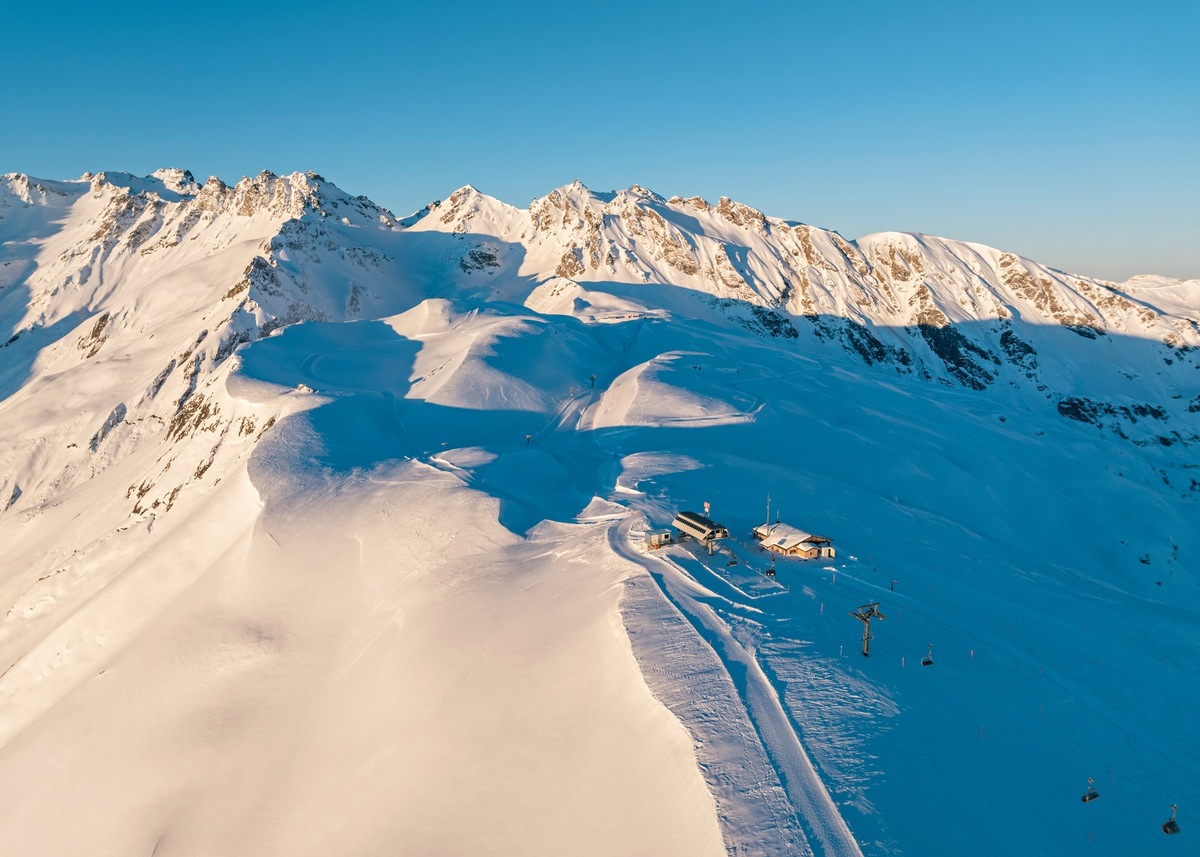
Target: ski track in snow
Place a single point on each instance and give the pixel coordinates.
(812, 809)
(448, 446)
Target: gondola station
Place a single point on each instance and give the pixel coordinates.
(700, 528)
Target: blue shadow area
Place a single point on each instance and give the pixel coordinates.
(547, 467)
(363, 371)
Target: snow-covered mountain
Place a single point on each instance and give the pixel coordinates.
(346, 503)
(946, 310)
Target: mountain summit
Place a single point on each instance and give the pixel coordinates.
(323, 528)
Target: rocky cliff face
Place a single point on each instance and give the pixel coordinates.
(160, 280)
(942, 310)
(122, 298)
(486, 392)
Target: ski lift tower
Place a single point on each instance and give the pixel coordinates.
(865, 614)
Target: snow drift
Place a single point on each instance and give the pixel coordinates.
(321, 529)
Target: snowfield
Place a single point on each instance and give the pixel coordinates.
(323, 529)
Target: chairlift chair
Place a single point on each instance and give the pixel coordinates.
(1171, 826)
(1091, 794)
(927, 661)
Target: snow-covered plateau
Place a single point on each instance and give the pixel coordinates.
(322, 532)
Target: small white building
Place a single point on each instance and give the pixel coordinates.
(655, 539)
(792, 541)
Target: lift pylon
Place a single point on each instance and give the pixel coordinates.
(865, 614)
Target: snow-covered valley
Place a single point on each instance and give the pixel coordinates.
(323, 527)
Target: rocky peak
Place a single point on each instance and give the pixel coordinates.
(698, 203)
(27, 190)
(644, 193)
(466, 210)
(169, 185)
(178, 180)
(564, 206)
(287, 197)
(742, 215)
(213, 195)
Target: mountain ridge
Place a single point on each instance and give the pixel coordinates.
(115, 260)
(308, 251)
(291, 479)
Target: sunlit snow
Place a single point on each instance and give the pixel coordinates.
(323, 531)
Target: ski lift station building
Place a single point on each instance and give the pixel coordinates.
(791, 541)
(698, 526)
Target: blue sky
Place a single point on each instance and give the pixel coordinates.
(1067, 132)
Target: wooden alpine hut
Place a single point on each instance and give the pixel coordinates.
(792, 541)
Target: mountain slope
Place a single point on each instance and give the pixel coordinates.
(347, 504)
(938, 308)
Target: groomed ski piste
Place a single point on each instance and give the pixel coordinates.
(362, 571)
